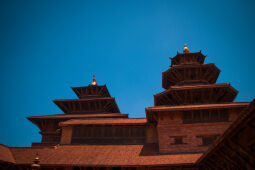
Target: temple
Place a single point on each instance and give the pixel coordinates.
(194, 124)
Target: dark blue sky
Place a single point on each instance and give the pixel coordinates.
(48, 46)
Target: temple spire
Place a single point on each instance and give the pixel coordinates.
(94, 81)
(185, 50)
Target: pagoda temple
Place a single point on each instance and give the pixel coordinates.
(194, 124)
(193, 110)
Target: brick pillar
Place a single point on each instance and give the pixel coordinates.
(66, 135)
(151, 134)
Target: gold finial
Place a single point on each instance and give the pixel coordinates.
(94, 81)
(35, 164)
(185, 50)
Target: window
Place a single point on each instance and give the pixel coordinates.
(205, 116)
(187, 117)
(119, 132)
(130, 168)
(116, 168)
(208, 139)
(177, 140)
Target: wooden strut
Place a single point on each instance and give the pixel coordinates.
(226, 156)
(179, 99)
(169, 100)
(230, 147)
(174, 76)
(177, 75)
(243, 150)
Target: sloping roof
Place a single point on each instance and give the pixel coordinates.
(245, 118)
(65, 104)
(199, 107)
(199, 86)
(82, 92)
(80, 100)
(72, 116)
(6, 155)
(101, 155)
(115, 121)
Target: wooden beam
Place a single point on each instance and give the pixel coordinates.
(235, 152)
(178, 75)
(173, 76)
(179, 100)
(227, 157)
(242, 150)
(169, 100)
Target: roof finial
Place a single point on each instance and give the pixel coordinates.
(185, 50)
(94, 81)
(36, 161)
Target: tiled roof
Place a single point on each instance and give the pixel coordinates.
(199, 107)
(66, 105)
(101, 155)
(115, 121)
(200, 86)
(89, 99)
(6, 155)
(71, 116)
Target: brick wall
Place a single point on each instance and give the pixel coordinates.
(176, 137)
(191, 136)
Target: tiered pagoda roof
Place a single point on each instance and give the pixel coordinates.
(94, 103)
(92, 99)
(93, 134)
(189, 68)
(191, 82)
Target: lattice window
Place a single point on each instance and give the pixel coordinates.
(177, 140)
(208, 139)
(205, 116)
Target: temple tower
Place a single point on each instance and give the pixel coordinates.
(92, 119)
(94, 102)
(193, 110)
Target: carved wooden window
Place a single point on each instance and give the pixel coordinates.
(108, 134)
(205, 116)
(130, 168)
(208, 139)
(119, 131)
(97, 132)
(116, 168)
(74, 168)
(177, 140)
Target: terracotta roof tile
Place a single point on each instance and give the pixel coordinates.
(115, 121)
(193, 107)
(5, 154)
(101, 155)
(71, 116)
(200, 86)
(80, 100)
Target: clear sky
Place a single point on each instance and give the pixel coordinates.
(48, 46)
